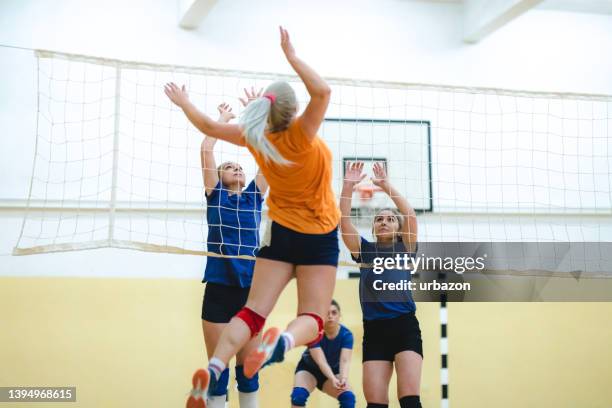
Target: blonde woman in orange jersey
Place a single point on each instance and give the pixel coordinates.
(302, 239)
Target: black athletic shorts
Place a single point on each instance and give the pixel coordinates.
(222, 302)
(314, 370)
(383, 339)
(297, 248)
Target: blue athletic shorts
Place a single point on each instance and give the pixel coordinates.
(384, 338)
(221, 302)
(315, 371)
(297, 248)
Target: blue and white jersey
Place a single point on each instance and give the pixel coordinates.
(233, 229)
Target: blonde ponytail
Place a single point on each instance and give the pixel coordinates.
(254, 121)
(272, 112)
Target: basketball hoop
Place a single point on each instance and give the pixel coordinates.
(366, 191)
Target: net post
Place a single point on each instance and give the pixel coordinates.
(27, 210)
(113, 199)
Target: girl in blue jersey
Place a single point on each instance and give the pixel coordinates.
(325, 365)
(391, 333)
(233, 215)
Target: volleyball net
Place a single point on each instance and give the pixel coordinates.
(116, 164)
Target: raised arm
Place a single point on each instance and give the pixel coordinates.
(209, 165)
(319, 357)
(210, 174)
(261, 182)
(317, 88)
(225, 131)
(409, 228)
(353, 174)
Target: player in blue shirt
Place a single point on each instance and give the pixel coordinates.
(391, 333)
(233, 215)
(325, 365)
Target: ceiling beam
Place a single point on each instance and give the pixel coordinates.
(193, 12)
(482, 17)
(579, 6)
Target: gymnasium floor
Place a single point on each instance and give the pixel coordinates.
(135, 343)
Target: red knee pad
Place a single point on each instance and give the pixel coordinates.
(320, 331)
(253, 320)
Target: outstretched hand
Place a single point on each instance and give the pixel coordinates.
(225, 113)
(178, 96)
(286, 43)
(380, 178)
(353, 172)
(250, 96)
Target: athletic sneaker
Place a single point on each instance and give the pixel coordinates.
(278, 355)
(212, 382)
(258, 357)
(197, 396)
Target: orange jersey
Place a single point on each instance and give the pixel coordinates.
(301, 196)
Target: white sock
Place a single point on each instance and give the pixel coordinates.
(216, 366)
(216, 401)
(288, 340)
(248, 399)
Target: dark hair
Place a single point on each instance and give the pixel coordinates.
(334, 303)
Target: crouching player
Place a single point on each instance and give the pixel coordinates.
(325, 365)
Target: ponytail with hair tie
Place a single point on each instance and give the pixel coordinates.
(271, 97)
(272, 112)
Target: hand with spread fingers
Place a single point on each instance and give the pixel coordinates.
(380, 178)
(250, 96)
(178, 96)
(353, 173)
(225, 113)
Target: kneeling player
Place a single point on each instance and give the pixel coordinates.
(325, 365)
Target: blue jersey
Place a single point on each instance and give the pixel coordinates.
(383, 304)
(233, 229)
(331, 348)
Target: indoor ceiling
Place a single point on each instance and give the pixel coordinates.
(582, 6)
